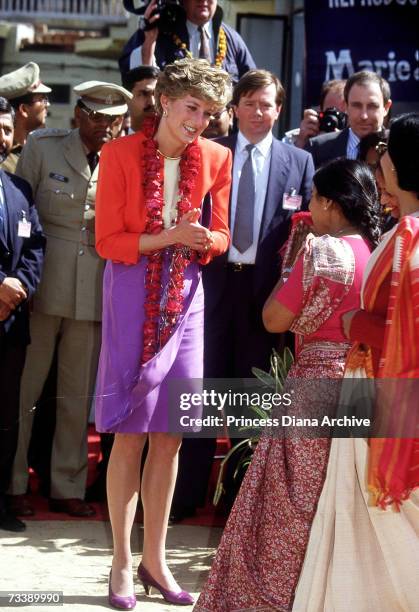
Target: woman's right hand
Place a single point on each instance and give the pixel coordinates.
(191, 233)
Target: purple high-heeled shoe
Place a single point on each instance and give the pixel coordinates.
(180, 598)
(120, 601)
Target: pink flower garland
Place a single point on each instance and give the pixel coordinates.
(163, 306)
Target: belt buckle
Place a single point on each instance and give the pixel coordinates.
(238, 267)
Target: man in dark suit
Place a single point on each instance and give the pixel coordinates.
(278, 179)
(21, 255)
(367, 100)
(197, 29)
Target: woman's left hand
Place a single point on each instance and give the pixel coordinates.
(347, 321)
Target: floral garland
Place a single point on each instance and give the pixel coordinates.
(163, 307)
(221, 50)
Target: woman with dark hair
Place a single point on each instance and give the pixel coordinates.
(389, 202)
(400, 168)
(150, 228)
(370, 149)
(259, 560)
(363, 552)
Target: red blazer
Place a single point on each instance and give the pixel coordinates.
(120, 210)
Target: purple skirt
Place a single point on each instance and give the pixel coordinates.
(130, 397)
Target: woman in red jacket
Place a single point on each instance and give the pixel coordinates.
(154, 231)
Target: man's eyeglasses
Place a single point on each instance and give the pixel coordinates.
(96, 117)
(381, 148)
(42, 99)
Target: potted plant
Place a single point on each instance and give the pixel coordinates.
(243, 451)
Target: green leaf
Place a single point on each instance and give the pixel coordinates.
(264, 377)
(279, 368)
(288, 359)
(219, 491)
(263, 414)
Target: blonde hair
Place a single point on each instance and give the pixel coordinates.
(195, 77)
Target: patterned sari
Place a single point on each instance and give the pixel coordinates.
(258, 562)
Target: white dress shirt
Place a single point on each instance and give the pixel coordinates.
(135, 59)
(261, 161)
(195, 38)
(352, 148)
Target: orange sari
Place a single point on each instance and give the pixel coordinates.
(393, 471)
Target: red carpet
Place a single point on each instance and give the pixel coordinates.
(207, 516)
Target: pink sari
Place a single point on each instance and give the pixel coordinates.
(259, 560)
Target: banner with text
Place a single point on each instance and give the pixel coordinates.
(345, 36)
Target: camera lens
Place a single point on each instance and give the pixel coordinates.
(331, 119)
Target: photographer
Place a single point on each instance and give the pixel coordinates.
(367, 102)
(330, 117)
(185, 28)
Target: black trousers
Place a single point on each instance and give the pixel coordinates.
(235, 341)
(12, 359)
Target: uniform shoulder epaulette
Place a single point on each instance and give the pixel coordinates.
(50, 132)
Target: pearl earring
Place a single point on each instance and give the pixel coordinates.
(165, 113)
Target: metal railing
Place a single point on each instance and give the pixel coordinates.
(106, 11)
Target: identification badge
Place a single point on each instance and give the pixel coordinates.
(24, 229)
(58, 177)
(291, 200)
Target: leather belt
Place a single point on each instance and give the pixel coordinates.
(239, 267)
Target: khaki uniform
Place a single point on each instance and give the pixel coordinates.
(11, 160)
(67, 305)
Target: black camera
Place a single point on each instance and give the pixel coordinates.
(332, 119)
(165, 4)
(168, 9)
(138, 7)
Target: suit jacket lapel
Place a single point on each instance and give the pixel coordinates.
(230, 142)
(11, 211)
(341, 143)
(276, 185)
(75, 155)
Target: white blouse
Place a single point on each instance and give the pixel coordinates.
(170, 192)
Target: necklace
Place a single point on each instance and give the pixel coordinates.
(346, 229)
(168, 157)
(163, 305)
